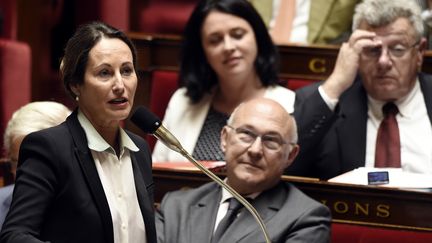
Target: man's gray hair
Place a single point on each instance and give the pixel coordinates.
(377, 13)
(33, 117)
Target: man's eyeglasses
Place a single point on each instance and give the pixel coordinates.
(271, 142)
(394, 52)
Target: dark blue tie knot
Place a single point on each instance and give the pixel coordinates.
(234, 204)
(233, 208)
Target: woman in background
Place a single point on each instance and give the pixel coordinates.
(227, 58)
(87, 180)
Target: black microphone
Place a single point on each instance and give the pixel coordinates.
(150, 123)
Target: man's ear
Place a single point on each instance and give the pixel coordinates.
(422, 48)
(292, 154)
(224, 137)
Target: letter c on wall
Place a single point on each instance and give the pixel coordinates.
(317, 65)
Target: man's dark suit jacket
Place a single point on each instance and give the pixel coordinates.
(58, 194)
(332, 143)
(289, 215)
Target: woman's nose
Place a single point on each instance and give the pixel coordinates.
(228, 44)
(118, 83)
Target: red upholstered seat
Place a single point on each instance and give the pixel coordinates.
(15, 67)
(15, 79)
(294, 84)
(343, 233)
(168, 16)
(163, 86)
(9, 11)
(112, 12)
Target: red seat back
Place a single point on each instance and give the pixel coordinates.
(342, 233)
(163, 86)
(294, 84)
(112, 12)
(15, 79)
(9, 26)
(168, 16)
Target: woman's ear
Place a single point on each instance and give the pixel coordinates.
(75, 89)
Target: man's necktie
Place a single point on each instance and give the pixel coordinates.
(387, 152)
(233, 208)
(281, 30)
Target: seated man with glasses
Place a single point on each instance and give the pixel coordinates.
(259, 142)
(375, 109)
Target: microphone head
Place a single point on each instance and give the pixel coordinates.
(146, 120)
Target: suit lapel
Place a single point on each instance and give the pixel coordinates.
(426, 88)
(143, 198)
(267, 205)
(91, 175)
(203, 212)
(352, 131)
(318, 13)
